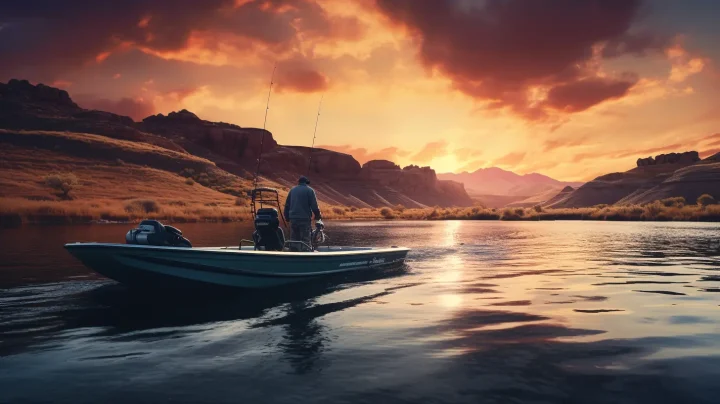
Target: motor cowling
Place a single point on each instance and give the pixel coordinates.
(152, 232)
(268, 235)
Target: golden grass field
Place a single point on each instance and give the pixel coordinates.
(116, 180)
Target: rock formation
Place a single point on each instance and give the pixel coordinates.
(671, 158)
(225, 139)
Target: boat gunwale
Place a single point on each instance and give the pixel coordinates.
(227, 251)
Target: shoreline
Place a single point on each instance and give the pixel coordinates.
(17, 211)
(14, 221)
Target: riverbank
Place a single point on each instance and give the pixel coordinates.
(18, 211)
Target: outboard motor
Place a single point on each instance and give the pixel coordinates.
(152, 232)
(268, 235)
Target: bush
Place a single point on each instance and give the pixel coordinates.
(187, 172)
(672, 202)
(338, 211)
(538, 208)
(240, 201)
(353, 209)
(400, 208)
(62, 182)
(705, 200)
(520, 212)
(142, 206)
(189, 181)
(387, 213)
(653, 209)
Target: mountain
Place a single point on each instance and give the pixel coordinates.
(496, 181)
(45, 119)
(546, 198)
(666, 175)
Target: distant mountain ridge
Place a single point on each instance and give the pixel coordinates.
(496, 181)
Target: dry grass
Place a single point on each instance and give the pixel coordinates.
(20, 210)
(112, 183)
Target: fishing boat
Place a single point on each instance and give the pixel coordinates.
(166, 267)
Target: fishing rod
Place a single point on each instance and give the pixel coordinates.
(314, 134)
(262, 139)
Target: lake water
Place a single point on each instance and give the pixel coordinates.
(483, 312)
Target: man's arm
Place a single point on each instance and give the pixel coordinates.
(314, 205)
(286, 211)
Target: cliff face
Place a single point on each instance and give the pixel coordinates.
(225, 139)
(338, 178)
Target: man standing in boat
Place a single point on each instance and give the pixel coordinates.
(300, 205)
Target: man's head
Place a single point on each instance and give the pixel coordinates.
(303, 180)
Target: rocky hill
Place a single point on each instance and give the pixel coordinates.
(338, 178)
(666, 175)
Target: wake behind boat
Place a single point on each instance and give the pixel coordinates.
(162, 267)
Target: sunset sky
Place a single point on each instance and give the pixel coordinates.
(567, 88)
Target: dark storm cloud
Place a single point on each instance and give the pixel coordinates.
(580, 95)
(45, 38)
(497, 50)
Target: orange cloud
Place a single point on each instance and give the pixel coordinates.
(466, 153)
(61, 83)
(430, 151)
(510, 159)
(135, 108)
(684, 65)
(363, 156)
(473, 166)
(300, 79)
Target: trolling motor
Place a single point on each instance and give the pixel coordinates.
(152, 232)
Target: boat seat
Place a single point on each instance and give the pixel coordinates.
(268, 235)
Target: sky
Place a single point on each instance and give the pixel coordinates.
(568, 88)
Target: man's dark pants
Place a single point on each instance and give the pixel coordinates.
(300, 232)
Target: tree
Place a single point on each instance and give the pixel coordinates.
(705, 200)
(64, 183)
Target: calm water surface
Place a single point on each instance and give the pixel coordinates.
(565, 312)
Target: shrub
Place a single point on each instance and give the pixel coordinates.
(338, 211)
(400, 208)
(62, 182)
(705, 200)
(142, 206)
(119, 162)
(538, 208)
(671, 202)
(187, 172)
(353, 209)
(387, 213)
(240, 201)
(189, 181)
(520, 212)
(653, 209)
